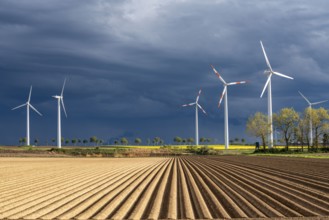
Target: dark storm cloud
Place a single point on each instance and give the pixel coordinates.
(131, 64)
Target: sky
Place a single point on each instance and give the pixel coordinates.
(131, 64)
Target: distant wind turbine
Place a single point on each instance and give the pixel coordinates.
(310, 104)
(60, 100)
(28, 106)
(270, 72)
(226, 130)
(197, 105)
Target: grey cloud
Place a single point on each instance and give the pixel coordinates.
(132, 63)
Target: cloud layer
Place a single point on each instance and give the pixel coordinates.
(131, 64)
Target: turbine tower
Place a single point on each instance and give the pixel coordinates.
(60, 100)
(28, 106)
(226, 130)
(310, 134)
(197, 105)
(270, 72)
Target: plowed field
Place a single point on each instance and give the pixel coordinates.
(165, 188)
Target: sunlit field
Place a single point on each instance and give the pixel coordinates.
(186, 187)
(182, 147)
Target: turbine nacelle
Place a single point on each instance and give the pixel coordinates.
(267, 72)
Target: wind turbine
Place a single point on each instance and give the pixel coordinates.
(270, 72)
(28, 106)
(197, 105)
(226, 130)
(310, 108)
(59, 129)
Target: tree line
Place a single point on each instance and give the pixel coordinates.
(120, 141)
(293, 126)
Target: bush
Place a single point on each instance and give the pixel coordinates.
(192, 149)
(204, 150)
(166, 147)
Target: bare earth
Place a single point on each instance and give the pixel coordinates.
(164, 188)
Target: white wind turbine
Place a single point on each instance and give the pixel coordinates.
(28, 106)
(197, 105)
(59, 129)
(226, 130)
(310, 107)
(270, 72)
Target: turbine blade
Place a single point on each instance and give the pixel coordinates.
(282, 75)
(63, 87)
(266, 84)
(30, 95)
(190, 104)
(202, 109)
(63, 106)
(35, 109)
(316, 103)
(266, 59)
(197, 98)
(305, 98)
(20, 106)
(221, 98)
(221, 79)
(236, 83)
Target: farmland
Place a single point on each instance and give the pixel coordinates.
(168, 188)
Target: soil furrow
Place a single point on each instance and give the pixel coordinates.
(233, 193)
(92, 206)
(182, 187)
(116, 201)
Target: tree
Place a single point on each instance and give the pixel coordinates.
(74, 141)
(53, 140)
(148, 141)
(156, 140)
(67, 141)
(85, 141)
(36, 141)
(138, 141)
(116, 142)
(320, 124)
(93, 139)
(178, 139)
(286, 121)
(301, 131)
(21, 141)
(208, 140)
(236, 140)
(202, 140)
(243, 141)
(325, 139)
(257, 126)
(190, 140)
(124, 141)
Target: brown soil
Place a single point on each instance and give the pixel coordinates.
(164, 188)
